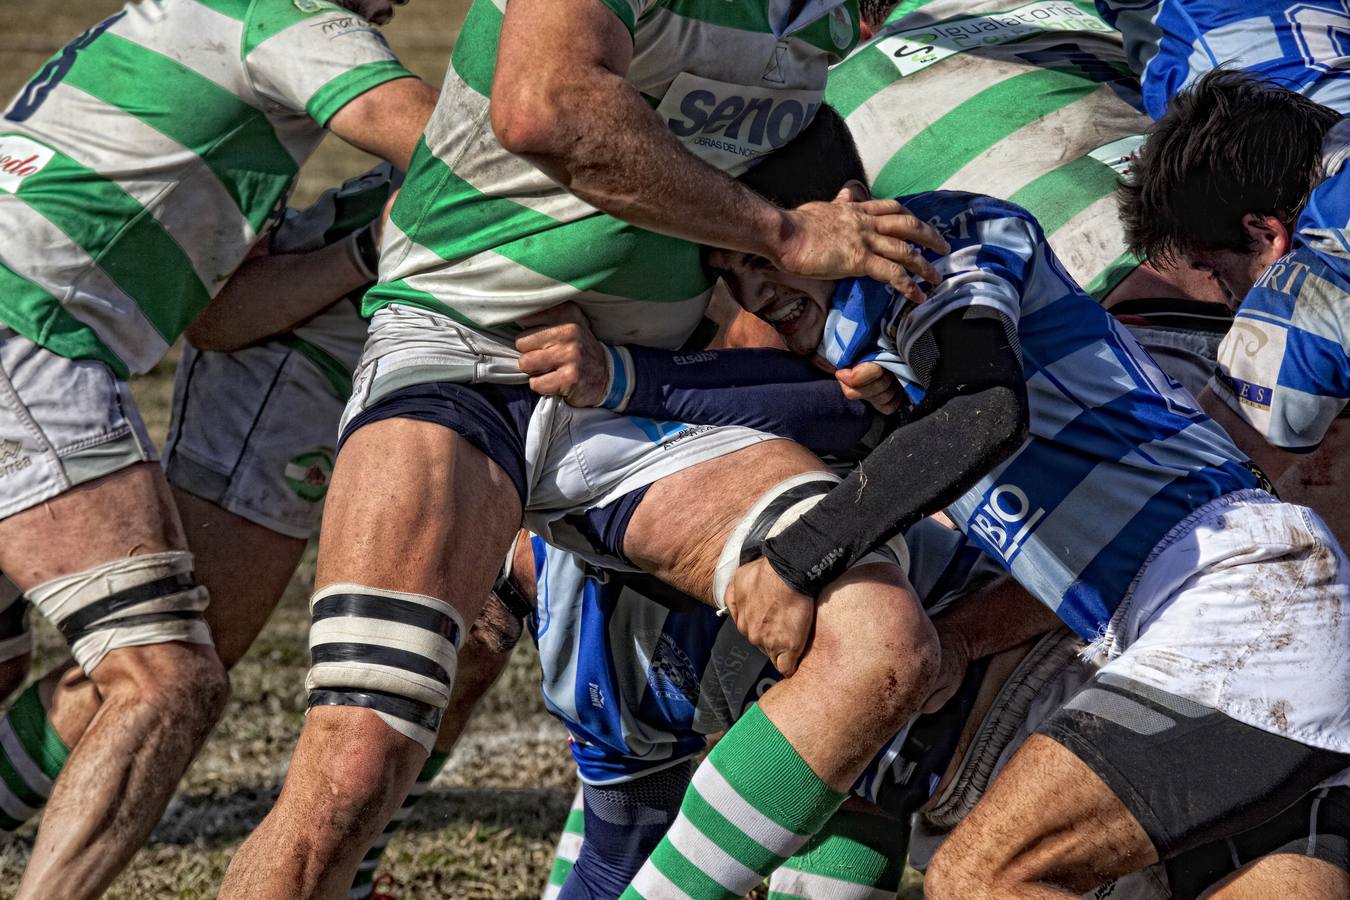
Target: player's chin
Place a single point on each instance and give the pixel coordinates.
(802, 335)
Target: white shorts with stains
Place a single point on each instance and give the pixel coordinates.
(1245, 608)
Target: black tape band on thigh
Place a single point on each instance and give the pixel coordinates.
(376, 654)
(76, 626)
(1187, 773)
(423, 714)
(388, 609)
(753, 546)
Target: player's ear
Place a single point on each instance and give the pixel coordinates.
(1268, 235)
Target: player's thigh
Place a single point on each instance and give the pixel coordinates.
(126, 513)
(243, 596)
(1047, 817)
(414, 506)
(1284, 875)
(678, 530)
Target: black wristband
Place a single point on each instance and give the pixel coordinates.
(828, 558)
(368, 250)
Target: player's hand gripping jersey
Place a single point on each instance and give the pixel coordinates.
(1285, 365)
(1301, 46)
(1034, 97)
(1131, 454)
(145, 158)
(485, 237)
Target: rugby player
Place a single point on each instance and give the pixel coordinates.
(444, 448)
(140, 165)
(1082, 570)
(1172, 474)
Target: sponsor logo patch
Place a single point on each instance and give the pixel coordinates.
(309, 473)
(19, 159)
(12, 458)
(1004, 520)
(731, 125)
(919, 48)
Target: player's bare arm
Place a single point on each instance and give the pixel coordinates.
(560, 100)
(387, 120)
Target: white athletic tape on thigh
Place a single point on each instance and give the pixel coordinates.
(147, 599)
(391, 652)
(776, 509)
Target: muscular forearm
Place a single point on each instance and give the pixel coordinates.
(268, 295)
(575, 117)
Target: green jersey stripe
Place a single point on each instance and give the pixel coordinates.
(1113, 275)
(36, 314)
(337, 93)
(475, 55)
(576, 253)
(1060, 194)
(169, 291)
(401, 292)
(256, 177)
(869, 72)
(936, 153)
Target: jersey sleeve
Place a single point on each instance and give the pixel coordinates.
(1284, 366)
(629, 11)
(997, 248)
(317, 62)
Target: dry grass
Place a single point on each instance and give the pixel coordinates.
(487, 829)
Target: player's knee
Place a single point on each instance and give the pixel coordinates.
(389, 652)
(899, 661)
(954, 874)
(182, 683)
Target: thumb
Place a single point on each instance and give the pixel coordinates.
(844, 195)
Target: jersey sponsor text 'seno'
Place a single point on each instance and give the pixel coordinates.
(485, 237)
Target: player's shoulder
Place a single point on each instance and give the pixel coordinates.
(324, 19)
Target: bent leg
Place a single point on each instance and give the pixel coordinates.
(1048, 827)
(1284, 875)
(782, 770)
(159, 698)
(412, 508)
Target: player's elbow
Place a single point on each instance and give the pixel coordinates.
(525, 121)
(212, 339)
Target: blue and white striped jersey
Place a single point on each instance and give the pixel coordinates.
(640, 685)
(1304, 46)
(1285, 365)
(1119, 452)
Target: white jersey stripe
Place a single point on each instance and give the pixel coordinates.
(213, 244)
(822, 887)
(195, 44)
(94, 299)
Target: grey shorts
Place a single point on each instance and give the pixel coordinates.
(63, 422)
(254, 431)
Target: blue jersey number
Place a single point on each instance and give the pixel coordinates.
(57, 68)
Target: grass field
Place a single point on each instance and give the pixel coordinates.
(487, 828)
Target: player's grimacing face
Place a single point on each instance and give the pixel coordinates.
(795, 306)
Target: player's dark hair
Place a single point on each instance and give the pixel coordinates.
(874, 12)
(1230, 145)
(812, 166)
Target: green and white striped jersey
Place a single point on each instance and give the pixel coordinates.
(1028, 101)
(145, 158)
(485, 237)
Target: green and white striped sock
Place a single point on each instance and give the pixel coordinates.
(364, 885)
(856, 856)
(31, 756)
(569, 847)
(752, 804)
